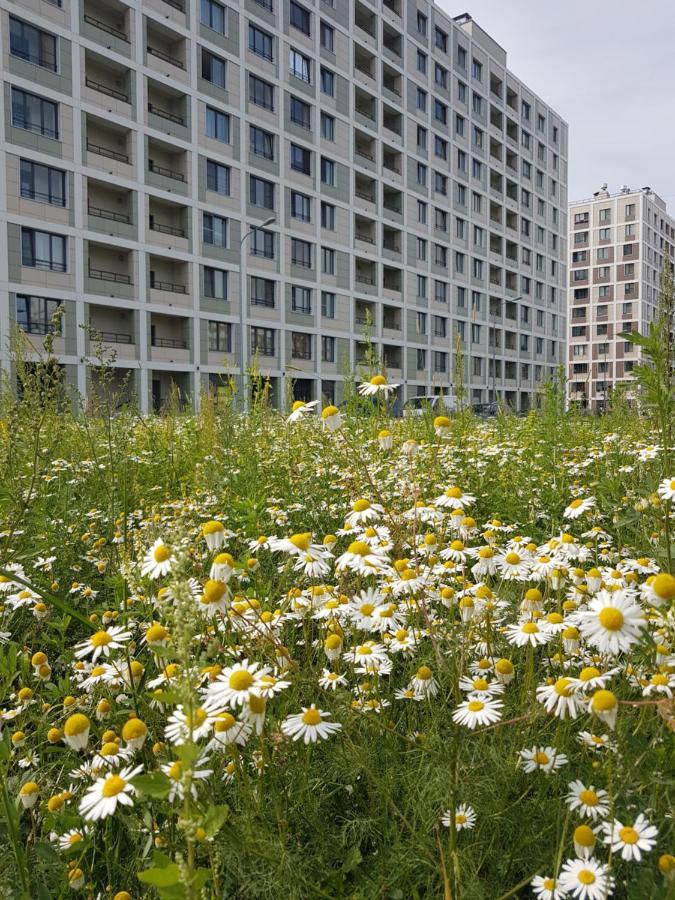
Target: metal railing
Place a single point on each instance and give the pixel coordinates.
(165, 57)
(170, 343)
(300, 353)
(103, 26)
(176, 5)
(164, 114)
(167, 173)
(262, 301)
(109, 154)
(20, 121)
(112, 337)
(30, 194)
(364, 237)
(110, 214)
(167, 286)
(167, 229)
(364, 196)
(105, 275)
(104, 89)
(361, 152)
(46, 265)
(44, 60)
(39, 328)
(364, 279)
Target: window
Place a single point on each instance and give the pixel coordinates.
(421, 323)
(261, 192)
(421, 137)
(220, 337)
(261, 142)
(602, 254)
(441, 222)
(421, 249)
(626, 309)
(605, 215)
(301, 206)
(327, 261)
(421, 360)
(215, 283)
(328, 349)
(301, 159)
(461, 297)
(421, 100)
(421, 174)
(301, 345)
(327, 127)
(440, 361)
(603, 291)
(262, 243)
(604, 234)
(43, 250)
(421, 286)
(461, 57)
(440, 292)
(461, 161)
(35, 315)
(217, 125)
(421, 62)
(477, 70)
(213, 69)
(629, 211)
(327, 82)
(459, 125)
(421, 212)
(440, 256)
(32, 44)
(440, 183)
(301, 299)
(461, 92)
(213, 15)
(33, 113)
(262, 341)
(261, 92)
(327, 171)
(300, 112)
(214, 230)
(43, 183)
(476, 168)
(217, 178)
(421, 24)
(475, 334)
(327, 304)
(629, 287)
(260, 42)
(300, 17)
(440, 326)
(327, 37)
(440, 76)
(440, 112)
(301, 253)
(328, 216)
(262, 291)
(299, 66)
(441, 39)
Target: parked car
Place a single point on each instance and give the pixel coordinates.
(486, 410)
(435, 404)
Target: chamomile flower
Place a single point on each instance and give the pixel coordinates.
(300, 409)
(363, 512)
(107, 793)
(590, 801)
(454, 498)
(546, 888)
(585, 879)
(578, 507)
(423, 682)
(632, 840)
(666, 489)
(527, 633)
(514, 566)
(612, 622)
(158, 561)
(228, 730)
(378, 384)
(360, 557)
(309, 725)
(475, 712)
(102, 643)
(544, 759)
(236, 683)
(71, 839)
(330, 681)
(214, 534)
(183, 725)
(559, 698)
(464, 818)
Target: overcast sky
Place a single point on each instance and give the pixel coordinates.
(608, 68)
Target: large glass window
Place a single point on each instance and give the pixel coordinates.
(43, 183)
(34, 113)
(213, 69)
(217, 177)
(32, 44)
(215, 283)
(213, 15)
(215, 229)
(220, 337)
(43, 250)
(35, 315)
(261, 142)
(217, 125)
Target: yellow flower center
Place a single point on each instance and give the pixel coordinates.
(530, 628)
(378, 380)
(213, 591)
(176, 770)
(241, 680)
(360, 505)
(100, 639)
(311, 717)
(549, 884)
(603, 701)
(585, 876)
(588, 798)
(475, 706)
(358, 548)
(512, 558)
(76, 724)
(424, 673)
(213, 527)
(301, 541)
(161, 553)
(611, 618)
(460, 819)
(454, 492)
(328, 411)
(628, 835)
(113, 786)
(664, 586)
(224, 722)
(367, 609)
(541, 758)
(563, 687)
(588, 673)
(297, 405)
(575, 504)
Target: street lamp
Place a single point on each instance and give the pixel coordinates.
(243, 298)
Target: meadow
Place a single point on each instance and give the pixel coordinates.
(337, 656)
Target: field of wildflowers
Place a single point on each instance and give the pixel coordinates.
(335, 655)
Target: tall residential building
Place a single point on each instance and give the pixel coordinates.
(618, 244)
(211, 185)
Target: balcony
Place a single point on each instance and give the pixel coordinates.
(365, 64)
(107, 84)
(109, 271)
(365, 191)
(392, 43)
(365, 314)
(109, 209)
(391, 242)
(167, 166)
(392, 83)
(108, 146)
(364, 232)
(165, 50)
(168, 224)
(365, 275)
(392, 203)
(365, 108)
(365, 22)
(392, 121)
(168, 281)
(392, 162)
(391, 320)
(169, 338)
(167, 109)
(107, 23)
(112, 327)
(392, 282)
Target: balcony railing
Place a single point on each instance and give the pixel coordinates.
(103, 26)
(46, 265)
(105, 275)
(165, 114)
(29, 193)
(364, 196)
(364, 279)
(20, 121)
(104, 89)
(110, 214)
(105, 151)
(361, 152)
(39, 328)
(167, 286)
(362, 319)
(112, 337)
(167, 173)
(364, 237)
(167, 229)
(170, 343)
(165, 57)
(44, 59)
(301, 353)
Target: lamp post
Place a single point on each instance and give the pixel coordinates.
(243, 299)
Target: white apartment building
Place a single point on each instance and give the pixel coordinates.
(618, 245)
(210, 186)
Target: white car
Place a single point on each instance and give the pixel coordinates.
(434, 404)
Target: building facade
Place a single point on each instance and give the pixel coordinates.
(618, 245)
(205, 188)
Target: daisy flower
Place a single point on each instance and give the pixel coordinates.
(596, 741)
(454, 498)
(385, 439)
(360, 557)
(72, 838)
(378, 384)
(236, 683)
(158, 560)
(329, 681)
(300, 409)
(660, 683)
(474, 712)
(464, 817)
(527, 633)
(363, 512)
(631, 840)
(102, 798)
(585, 879)
(559, 698)
(174, 772)
(666, 489)
(102, 643)
(214, 534)
(183, 726)
(545, 888)
(612, 622)
(480, 687)
(546, 759)
(309, 725)
(514, 566)
(423, 682)
(578, 507)
(227, 730)
(590, 802)
(331, 418)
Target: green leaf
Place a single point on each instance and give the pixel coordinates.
(352, 859)
(159, 878)
(215, 818)
(47, 852)
(156, 785)
(187, 753)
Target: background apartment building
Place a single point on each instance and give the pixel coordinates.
(208, 185)
(618, 245)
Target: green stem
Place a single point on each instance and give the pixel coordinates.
(12, 820)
